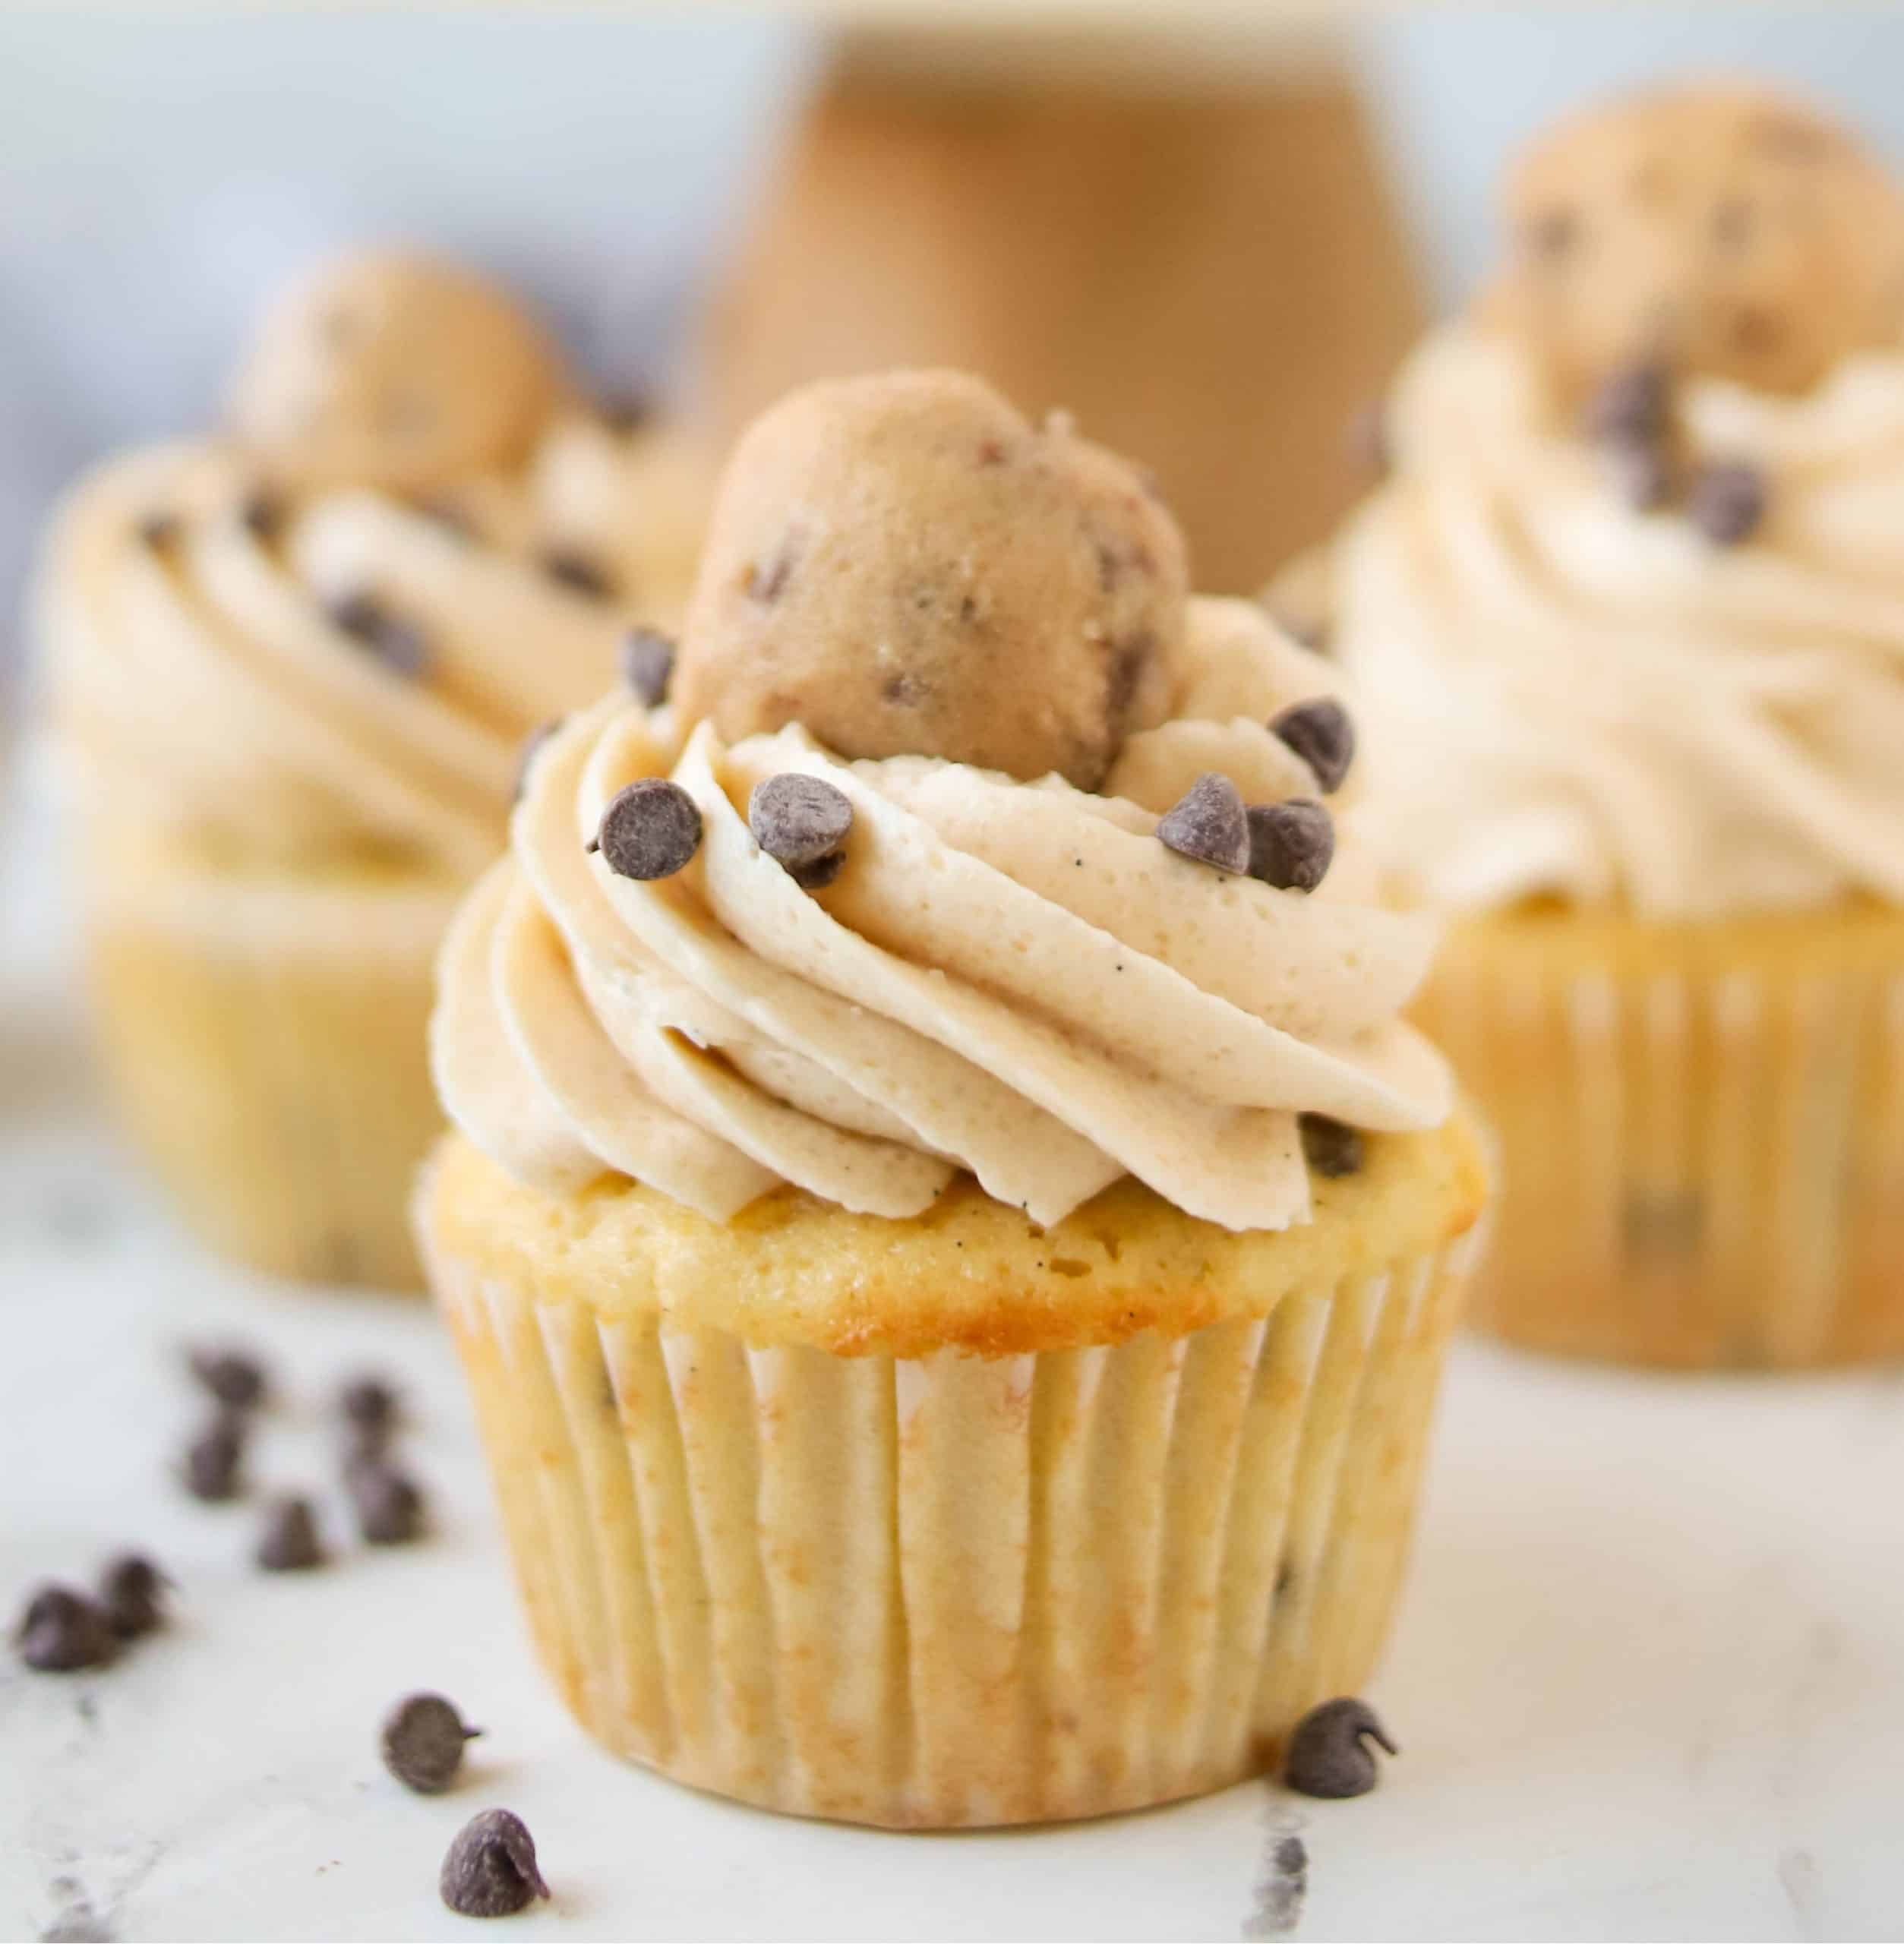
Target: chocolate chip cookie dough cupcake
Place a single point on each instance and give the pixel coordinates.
(295, 663)
(950, 1235)
(1627, 616)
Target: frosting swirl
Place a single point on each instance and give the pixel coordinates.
(1013, 979)
(1564, 696)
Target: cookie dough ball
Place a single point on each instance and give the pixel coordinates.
(393, 370)
(904, 565)
(1723, 231)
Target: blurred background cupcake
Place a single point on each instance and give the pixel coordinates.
(1626, 617)
(295, 663)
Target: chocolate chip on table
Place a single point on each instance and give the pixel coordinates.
(1208, 824)
(132, 1595)
(647, 665)
(568, 568)
(423, 1740)
(802, 822)
(1727, 502)
(288, 1541)
(1322, 733)
(1634, 405)
(368, 1401)
(491, 1869)
(61, 1632)
(234, 1376)
(388, 1504)
(215, 1458)
(400, 645)
(1291, 843)
(650, 830)
(1328, 1752)
(1331, 1147)
(263, 515)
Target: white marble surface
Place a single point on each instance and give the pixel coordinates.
(1650, 1676)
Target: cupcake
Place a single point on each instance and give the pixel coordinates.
(1625, 617)
(295, 663)
(950, 1236)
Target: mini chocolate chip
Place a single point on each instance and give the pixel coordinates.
(1291, 843)
(1207, 824)
(158, 531)
(389, 1506)
(531, 743)
(650, 830)
(1368, 439)
(288, 1541)
(262, 514)
(576, 572)
(800, 821)
(647, 665)
(1331, 1147)
(400, 645)
(62, 1631)
(214, 1460)
(1328, 1752)
(1323, 734)
(131, 1592)
(423, 1741)
(1642, 472)
(818, 874)
(1727, 502)
(491, 1869)
(1635, 403)
(233, 1376)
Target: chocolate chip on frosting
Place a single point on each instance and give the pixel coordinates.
(648, 665)
(62, 1632)
(1291, 844)
(400, 645)
(580, 574)
(1209, 825)
(263, 516)
(491, 1869)
(1331, 1147)
(1727, 502)
(652, 829)
(1633, 404)
(1328, 1752)
(801, 821)
(1323, 734)
(158, 531)
(1641, 472)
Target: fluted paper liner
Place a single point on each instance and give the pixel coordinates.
(959, 1591)
(1703, 1135)
(265, 1048)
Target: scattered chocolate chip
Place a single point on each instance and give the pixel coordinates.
(647, 665)
(802, 822)
(490, 1869)
(905, 690)
(62, 1631)
(400, 645)
(1331, 1147)
(388, 1505)
(1368, 439)
(1727, 502)
(623, 411)
(214, 1460)
(650, 830)
(287, 1543)
(1291, 843)
(422, 1742)
(1634, 404)
(262, 514)
(1642, 473)
(234, 1376)
(577, 572)
(131, 1593)
(1328, 1752)
(1208, 824)
(368, 1400)
(1323, 734)
(531, 743)
(158, 531)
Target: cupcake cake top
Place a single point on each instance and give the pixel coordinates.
(952, 837)
(1628, 612)
(324, 632)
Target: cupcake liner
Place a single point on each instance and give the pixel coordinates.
(958, 1592)
(1703, 1133)
(264, 1043)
